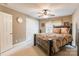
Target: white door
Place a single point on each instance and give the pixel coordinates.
(32, 27)
(5, 31)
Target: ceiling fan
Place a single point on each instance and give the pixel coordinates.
(45, 12)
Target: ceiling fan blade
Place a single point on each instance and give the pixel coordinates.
(51, 14)
(40, 15)
(39, 12)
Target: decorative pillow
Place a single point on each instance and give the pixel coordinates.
(57, 30)
(64, 30)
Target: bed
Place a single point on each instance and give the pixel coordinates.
(51, 43)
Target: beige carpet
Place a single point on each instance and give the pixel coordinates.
(36, 51)
(32, 51)
(67, 51)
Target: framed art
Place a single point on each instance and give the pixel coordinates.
(42, 24)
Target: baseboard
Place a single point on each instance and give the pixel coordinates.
(16, 47)
(24, 43)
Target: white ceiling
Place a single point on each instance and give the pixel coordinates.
(32, 9)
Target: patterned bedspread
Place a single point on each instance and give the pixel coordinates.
(58, 40)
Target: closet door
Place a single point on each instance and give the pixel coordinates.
(6, 31)
(1, 37)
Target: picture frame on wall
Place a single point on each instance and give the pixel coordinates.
(66, 24)
(42, 24)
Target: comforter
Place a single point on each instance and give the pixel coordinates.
(58, 40)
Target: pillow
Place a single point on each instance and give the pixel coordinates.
(64, 30)
(57, 30)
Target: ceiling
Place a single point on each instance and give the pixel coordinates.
(32, 9)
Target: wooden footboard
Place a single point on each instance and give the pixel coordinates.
(34, 39)
(46, 45)
(50, 42)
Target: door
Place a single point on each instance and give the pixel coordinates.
(32, 27)
(5, 31)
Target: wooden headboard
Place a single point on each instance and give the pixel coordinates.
(61, 26)
(64, 27)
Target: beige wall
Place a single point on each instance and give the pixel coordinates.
(54, 20)
(19, 30)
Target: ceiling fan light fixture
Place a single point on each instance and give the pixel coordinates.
(46, 13)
